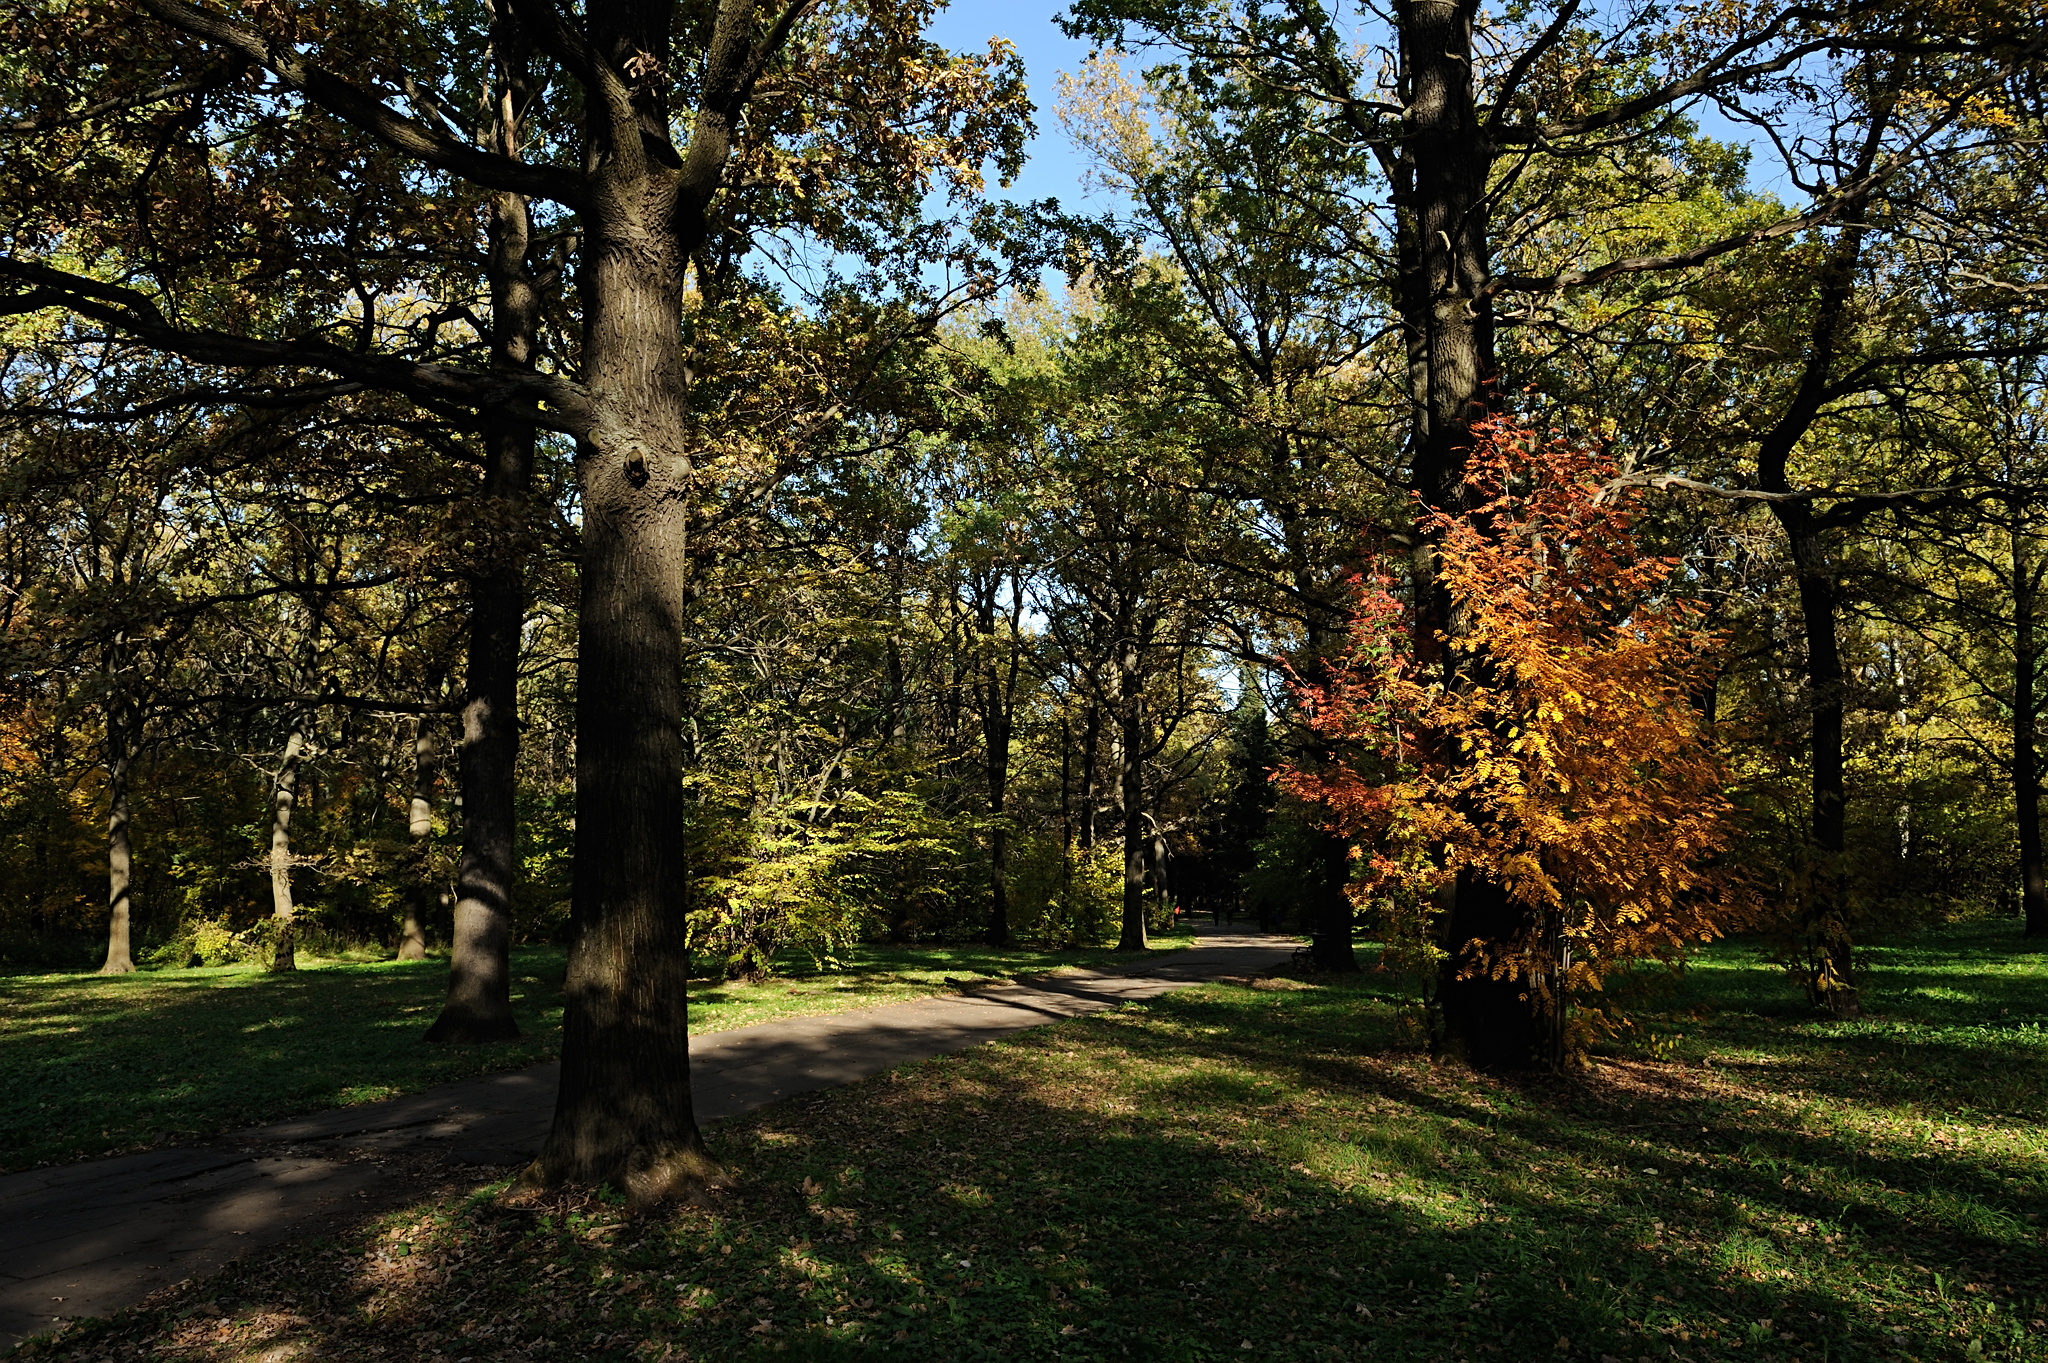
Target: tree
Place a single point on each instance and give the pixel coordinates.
(1576, 774)
(811, 120)
(1460, 153)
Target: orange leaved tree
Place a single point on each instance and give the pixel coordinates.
(1549, 746)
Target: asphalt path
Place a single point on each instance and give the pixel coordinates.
(92, 1238)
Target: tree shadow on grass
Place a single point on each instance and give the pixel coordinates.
(1175, 1182)
(92, 1066)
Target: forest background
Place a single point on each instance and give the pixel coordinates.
(1019, 529)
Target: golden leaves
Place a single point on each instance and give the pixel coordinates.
(1566, 762)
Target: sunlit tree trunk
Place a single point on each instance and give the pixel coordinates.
(1091, 793)
(284, 797)
(899, 753)
(995, 732)
(420, 892)
(120, 861)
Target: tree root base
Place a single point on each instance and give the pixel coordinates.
(454, 1029)
(652, 1179)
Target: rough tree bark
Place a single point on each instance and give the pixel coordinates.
(623, 1112)
(478, 1008)
(284, 798)
(120, 859)
(420, 893)
(1440, 181)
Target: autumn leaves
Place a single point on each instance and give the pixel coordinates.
(1549, 744)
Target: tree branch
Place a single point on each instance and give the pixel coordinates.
(215, 79)
(550, 402)
(361, 110)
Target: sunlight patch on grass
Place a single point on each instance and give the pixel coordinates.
(94, 1065)
(1229, 1163)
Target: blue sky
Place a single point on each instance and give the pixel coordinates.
(1056, 167)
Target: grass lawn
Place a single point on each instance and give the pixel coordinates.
(95, 1065)
(1275, 1171)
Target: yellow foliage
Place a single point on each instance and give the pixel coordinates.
(1550, 744)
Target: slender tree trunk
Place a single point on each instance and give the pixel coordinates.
(479, 1004)
(2026, 762)
(1091, 793)
(1824, 914)
(420, 892)
(996, 735)
(284, 797)
(1066, 813)
(119, 961)
(899, 749)
(1831, 974)
(1131, 714)
(1156, 853)
(998, 697)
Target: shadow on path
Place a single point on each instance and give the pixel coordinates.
(90, 1239)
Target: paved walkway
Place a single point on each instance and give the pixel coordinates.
(89, 1239)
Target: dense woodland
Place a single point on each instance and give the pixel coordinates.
(1535, 488)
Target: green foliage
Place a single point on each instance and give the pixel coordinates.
(1065, 897)
(1287, 870)
(809, 877)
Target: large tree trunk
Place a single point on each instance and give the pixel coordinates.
(284, 798)
(2026, 761)
(1131, 717)
(120, 961)
(1439, 191)
(420, 890)
(479, 1004)
(1332, 913)
(623, 1113)
(1486, 1022)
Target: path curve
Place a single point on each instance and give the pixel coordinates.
(92, 1238)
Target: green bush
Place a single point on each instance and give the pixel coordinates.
(1063, 899)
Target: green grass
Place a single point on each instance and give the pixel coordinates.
(96, 1065)
(872, 974)
(1276, 1172)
